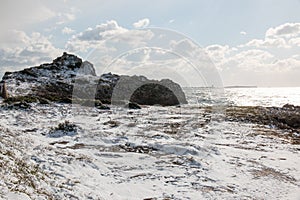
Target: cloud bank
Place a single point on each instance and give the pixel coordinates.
(270, 61)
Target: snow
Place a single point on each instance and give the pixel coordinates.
(156, 152)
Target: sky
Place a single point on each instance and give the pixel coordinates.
(249, 42)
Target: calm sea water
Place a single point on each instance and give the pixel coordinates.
(244, 96)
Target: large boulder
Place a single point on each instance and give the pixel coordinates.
(154, 93)
(143, 91)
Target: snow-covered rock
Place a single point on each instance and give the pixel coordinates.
(68, 77)
(51, 80)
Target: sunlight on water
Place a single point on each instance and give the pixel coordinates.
(245, 96)
(264, 96)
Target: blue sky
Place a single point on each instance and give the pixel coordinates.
(263, 32)
(208, 22)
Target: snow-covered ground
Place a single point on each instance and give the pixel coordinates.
(152, 153)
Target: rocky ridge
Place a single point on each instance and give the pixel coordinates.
(68, 79)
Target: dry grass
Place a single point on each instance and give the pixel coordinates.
(17, 172)
(270, 172)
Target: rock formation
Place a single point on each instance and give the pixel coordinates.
(68, 78)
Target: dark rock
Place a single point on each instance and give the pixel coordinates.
(88, 102)
(128, 147)
(103, 107)
(3, 90)
(152, 94)
(22, 105)
(143, 91)
(18, 105)
(291, 107)
(105, 87)
(112, 123)
(26, 99)
(132, 105)
(91, 103)
(291, 120)
(44, 101)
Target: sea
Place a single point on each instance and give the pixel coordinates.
(254, 96)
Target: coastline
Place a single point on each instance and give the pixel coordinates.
(154, 152)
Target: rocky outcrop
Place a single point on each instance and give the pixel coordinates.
(68, 78)
(52, 81)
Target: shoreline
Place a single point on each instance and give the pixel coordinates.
(55, 150)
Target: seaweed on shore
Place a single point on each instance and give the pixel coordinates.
(286, 118)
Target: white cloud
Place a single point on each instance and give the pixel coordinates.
(286, 30)
(101, 32)
(141, 23)
(268, 43)
(133, 38)
(67, 30)
(26, 51)
(256, 63)
(271, 61)
(96, 38)
(243, 33)
(253, 59)
(218, 53)
(295, 42)
(283, 36)
(255, 67)
(93, 38)
(288, 64)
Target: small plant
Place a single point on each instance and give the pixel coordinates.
(65, 128)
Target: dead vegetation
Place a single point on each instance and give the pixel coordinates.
(19, 174)
(272, 173)
(280, 122)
